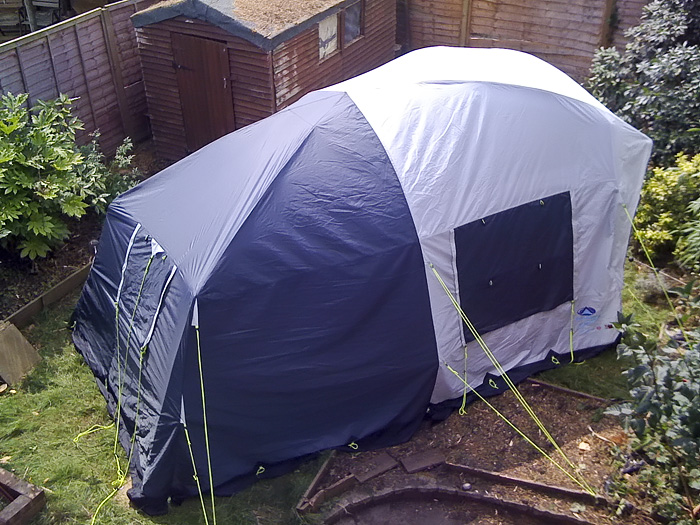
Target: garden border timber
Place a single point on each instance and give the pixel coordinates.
(449, 494)
(583, 395)
(304, 502)
(26, 500)
(26, 314)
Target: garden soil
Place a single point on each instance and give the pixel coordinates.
(480, 438)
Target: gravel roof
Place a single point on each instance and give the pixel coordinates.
(263, 22)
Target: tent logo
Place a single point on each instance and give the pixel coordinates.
(586, 311)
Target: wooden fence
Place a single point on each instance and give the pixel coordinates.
(92, 58)
(566, 33)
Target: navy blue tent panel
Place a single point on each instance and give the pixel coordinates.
(516, 263)
(304, 330)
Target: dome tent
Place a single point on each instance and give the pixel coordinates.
(295, 258)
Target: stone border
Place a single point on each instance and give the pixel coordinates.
(26, 500)
(26, 314)
(448, 494)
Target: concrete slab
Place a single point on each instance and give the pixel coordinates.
(17, 356)
(422, 460)
(379, 464)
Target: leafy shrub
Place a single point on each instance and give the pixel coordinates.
(102, 181)
(45, 177)
(37, 181)
(655, 84)
(662, 215)
(665, 413)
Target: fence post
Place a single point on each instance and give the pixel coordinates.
(606, 24)
(116, 65)
(465, 25)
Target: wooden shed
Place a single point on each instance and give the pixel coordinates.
(213, 66)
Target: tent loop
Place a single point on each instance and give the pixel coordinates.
(260, 470)
(463, 408)
(353, 445)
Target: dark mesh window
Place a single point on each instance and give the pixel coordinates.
(352, 28)
(515, 263)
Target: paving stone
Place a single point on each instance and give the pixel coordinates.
(422, 460)
(380, 464)
(17, 356)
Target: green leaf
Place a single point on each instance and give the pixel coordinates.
(34, 248)
(41, 224)
(74, 206)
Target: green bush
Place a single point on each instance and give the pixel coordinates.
(655, 83)
(662, 216)
(101, 180)
(664, 415)
(44, 177)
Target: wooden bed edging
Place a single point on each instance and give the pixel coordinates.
(24, 315)
(583, 395)
(535, 485)
(26, 500)
(304, 502)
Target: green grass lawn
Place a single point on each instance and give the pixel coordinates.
(59, 399)
(602, 376)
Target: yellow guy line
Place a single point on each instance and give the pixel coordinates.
(656, 272)
(503, 374)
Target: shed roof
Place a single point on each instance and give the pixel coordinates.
(265, 24)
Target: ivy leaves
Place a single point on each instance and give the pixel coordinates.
(664, 413)
(655, 84)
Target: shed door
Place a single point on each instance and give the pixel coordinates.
(205, 89)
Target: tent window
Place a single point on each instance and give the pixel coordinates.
(352, 22)
(327, 36)
(515, 263)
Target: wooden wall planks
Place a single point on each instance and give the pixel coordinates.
(298, 70)
(262, 82)
(565, 33)
(77, 58)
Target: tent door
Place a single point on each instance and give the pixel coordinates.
(203, 79)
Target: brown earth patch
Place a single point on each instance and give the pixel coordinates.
(482, 439)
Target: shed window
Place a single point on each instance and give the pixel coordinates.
(352, 22)
(327, 36)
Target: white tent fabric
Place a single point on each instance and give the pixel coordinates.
(473, 132)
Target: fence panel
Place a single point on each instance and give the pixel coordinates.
(566, 33)
(93, 58)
